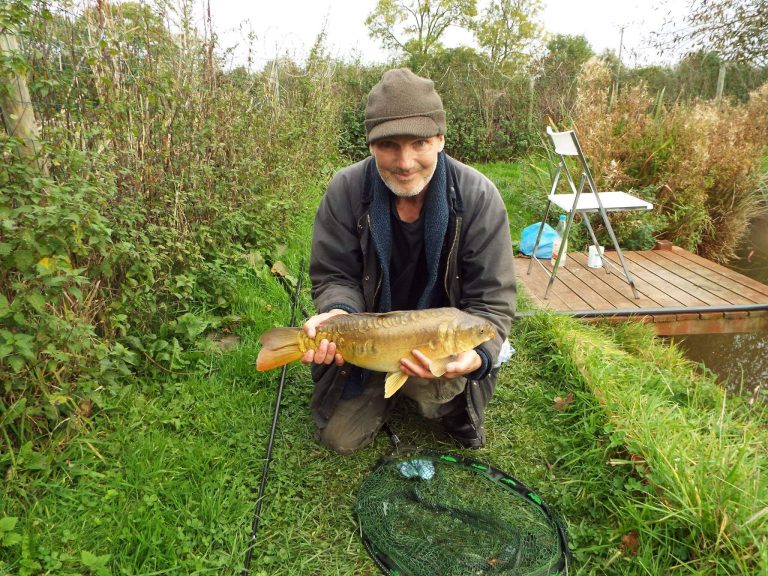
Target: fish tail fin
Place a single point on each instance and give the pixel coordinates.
(394, 382)
(279, 347)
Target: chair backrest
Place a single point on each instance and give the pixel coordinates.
(565, 143)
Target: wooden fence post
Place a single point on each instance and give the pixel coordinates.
(16, 106)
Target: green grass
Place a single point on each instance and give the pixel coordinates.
(164, 479)
(524, 186)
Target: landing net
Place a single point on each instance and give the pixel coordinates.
(445, 515)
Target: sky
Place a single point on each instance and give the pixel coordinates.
(289, 27)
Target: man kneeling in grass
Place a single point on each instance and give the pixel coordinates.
(408, 228)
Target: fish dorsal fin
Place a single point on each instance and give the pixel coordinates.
(394, 382)
(437, 367)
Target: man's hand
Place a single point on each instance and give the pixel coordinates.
(326, 352)
(463, 364)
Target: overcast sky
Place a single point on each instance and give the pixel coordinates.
(290, 26)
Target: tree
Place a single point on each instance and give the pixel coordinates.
(558, 73)
(736, 29)
(416, 26)
(507, 28)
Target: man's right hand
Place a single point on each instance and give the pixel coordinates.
(326, 351)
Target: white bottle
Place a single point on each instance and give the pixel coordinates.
(559, 243)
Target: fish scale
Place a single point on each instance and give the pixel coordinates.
(379, 341)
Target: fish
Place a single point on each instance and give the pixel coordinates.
(377, 341)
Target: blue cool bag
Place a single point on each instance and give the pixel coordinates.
(548, 236)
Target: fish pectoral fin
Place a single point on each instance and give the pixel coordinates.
(438, 367)
(394, 382)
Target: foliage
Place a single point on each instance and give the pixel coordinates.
(735, 29)
(119, 261)
(697, 456)
(700, 166)
(415, 27)
(695, 77)
(507, 28)
(168, 478)
(557, 75)
(354, 84)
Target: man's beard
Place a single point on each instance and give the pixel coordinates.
(407, 192)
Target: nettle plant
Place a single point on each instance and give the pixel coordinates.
(52, 234)
(120, 259)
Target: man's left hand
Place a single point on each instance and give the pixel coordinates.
(463, 364)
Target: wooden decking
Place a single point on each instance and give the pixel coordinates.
(680, 292)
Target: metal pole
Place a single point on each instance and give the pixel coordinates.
(271, 441)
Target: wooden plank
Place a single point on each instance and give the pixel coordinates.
(569, 299)
(663, 280)
(714, 326)
(570, 276)
(691, 274)
(666, 317)
(714, 276)
(650, 296)
(695, 296)
(536, 284)
(649, 283)
(595, 278)
(728, 273)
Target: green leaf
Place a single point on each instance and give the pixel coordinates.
(8, 523)
(76, 293)
(24, 259)
(31, 460)
(11, 539)
(16, 363)
(37, 301)
(5, 307)
(16, 410)
(96, 563)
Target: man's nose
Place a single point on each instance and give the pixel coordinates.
(406, 159)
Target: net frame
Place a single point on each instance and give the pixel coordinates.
(495, 476)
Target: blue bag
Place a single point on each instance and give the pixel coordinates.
(548, 236)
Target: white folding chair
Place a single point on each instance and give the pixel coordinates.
(567, 145)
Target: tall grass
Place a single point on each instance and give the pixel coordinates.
(699, 165)
(168, 173)
(701, 492)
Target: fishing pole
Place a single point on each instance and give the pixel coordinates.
(270, 442)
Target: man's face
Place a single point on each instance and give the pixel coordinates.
(405, 163)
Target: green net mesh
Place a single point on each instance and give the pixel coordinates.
(445, 515)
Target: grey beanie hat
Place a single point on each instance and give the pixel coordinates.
(403, 104)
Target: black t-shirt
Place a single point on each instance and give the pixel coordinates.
(408, 267)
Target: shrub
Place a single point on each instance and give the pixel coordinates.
(168, 174)
(700, 166)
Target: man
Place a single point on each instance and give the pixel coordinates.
(408, 228)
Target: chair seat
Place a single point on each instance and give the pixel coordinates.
(612, 201)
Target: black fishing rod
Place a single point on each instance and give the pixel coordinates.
(271, 441)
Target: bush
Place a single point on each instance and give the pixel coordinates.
(120, 258)
(700, 166)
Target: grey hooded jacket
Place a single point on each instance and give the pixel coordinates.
(476, 268)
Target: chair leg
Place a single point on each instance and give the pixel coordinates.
(627, 273)
(538, 237)
(555, 268)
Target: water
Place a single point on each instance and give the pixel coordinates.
(739, 360)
